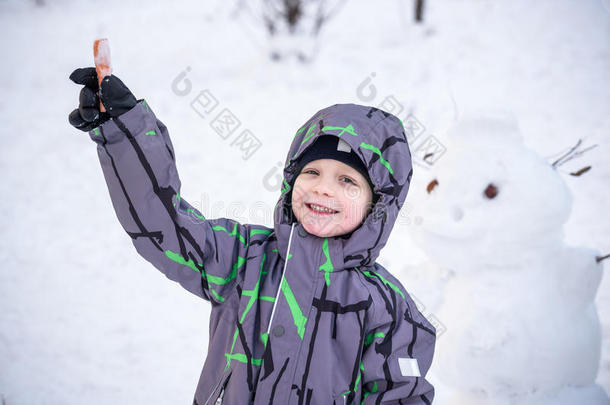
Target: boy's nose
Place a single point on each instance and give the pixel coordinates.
(323, 187)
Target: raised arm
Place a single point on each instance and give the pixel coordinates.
(138, 161)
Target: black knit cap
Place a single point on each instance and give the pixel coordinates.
(333, 147)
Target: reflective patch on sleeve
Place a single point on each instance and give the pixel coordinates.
(409, 367)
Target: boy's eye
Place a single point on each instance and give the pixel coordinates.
(312, 171)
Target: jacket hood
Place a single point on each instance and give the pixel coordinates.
(378, 138)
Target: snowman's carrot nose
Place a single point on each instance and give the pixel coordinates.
(101, 57)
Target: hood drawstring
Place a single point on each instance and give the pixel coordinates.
(277, 295)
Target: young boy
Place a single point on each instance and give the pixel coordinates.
(301, 312)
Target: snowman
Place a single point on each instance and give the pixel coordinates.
(517, 303)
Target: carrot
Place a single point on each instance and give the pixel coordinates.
(101, 57)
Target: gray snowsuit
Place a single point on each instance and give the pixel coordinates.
(296, 319)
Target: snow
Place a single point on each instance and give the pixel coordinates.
(84, 319)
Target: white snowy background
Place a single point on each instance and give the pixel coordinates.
(84, 319)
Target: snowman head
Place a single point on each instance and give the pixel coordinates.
(487, 192)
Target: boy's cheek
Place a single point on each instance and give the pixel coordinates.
(353, 193)
(298, 195)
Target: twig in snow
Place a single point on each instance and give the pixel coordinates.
(419, 10)
(571, 154)
(600, 258)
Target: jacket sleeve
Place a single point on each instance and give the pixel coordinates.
(397, 353)
(205, 256)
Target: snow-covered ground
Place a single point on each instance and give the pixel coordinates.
(83, 319)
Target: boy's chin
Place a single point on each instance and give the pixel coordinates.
(324, 231)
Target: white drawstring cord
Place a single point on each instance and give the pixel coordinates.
(281, 281)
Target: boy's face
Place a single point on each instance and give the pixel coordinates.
(332, 184)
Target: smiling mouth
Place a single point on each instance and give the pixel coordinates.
(319, 209)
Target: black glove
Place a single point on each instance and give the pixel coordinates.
(115, 95)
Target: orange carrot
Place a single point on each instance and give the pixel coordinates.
(101, 56)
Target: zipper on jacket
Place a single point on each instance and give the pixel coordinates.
(219, 400)
(222, 390)
(224, 377)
